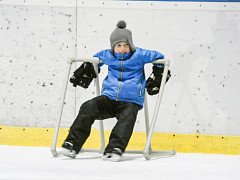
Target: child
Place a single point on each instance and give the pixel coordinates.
(122, 94)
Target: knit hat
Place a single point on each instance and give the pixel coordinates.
(121, 34)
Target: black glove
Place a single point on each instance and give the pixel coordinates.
(154, 81)
(84, 75)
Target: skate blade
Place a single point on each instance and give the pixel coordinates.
(68, 153)
(112, 157)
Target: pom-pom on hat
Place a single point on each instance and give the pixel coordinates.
(121, 34)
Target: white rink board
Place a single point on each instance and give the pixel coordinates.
(201, 40)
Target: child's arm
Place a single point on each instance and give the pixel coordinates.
(148, 56)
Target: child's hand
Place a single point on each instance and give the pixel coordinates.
(84, 75)
(154, 81)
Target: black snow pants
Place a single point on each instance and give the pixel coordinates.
(100, 108)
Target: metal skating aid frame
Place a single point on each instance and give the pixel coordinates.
(147, 152)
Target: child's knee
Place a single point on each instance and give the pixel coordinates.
(88, 106)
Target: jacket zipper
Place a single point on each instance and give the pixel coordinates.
(120, 79)
(140, 93)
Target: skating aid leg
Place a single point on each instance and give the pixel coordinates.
(54, 141)
(147, 152)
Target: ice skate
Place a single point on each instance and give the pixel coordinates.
(67, 150)
(114, 155)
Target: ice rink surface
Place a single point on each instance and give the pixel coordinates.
(30, 163)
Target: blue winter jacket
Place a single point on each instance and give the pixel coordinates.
(126, 79)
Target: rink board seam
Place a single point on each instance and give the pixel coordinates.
(189, 143)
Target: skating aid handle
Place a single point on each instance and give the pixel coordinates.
(97, 61)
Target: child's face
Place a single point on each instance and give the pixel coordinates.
(122, 47)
